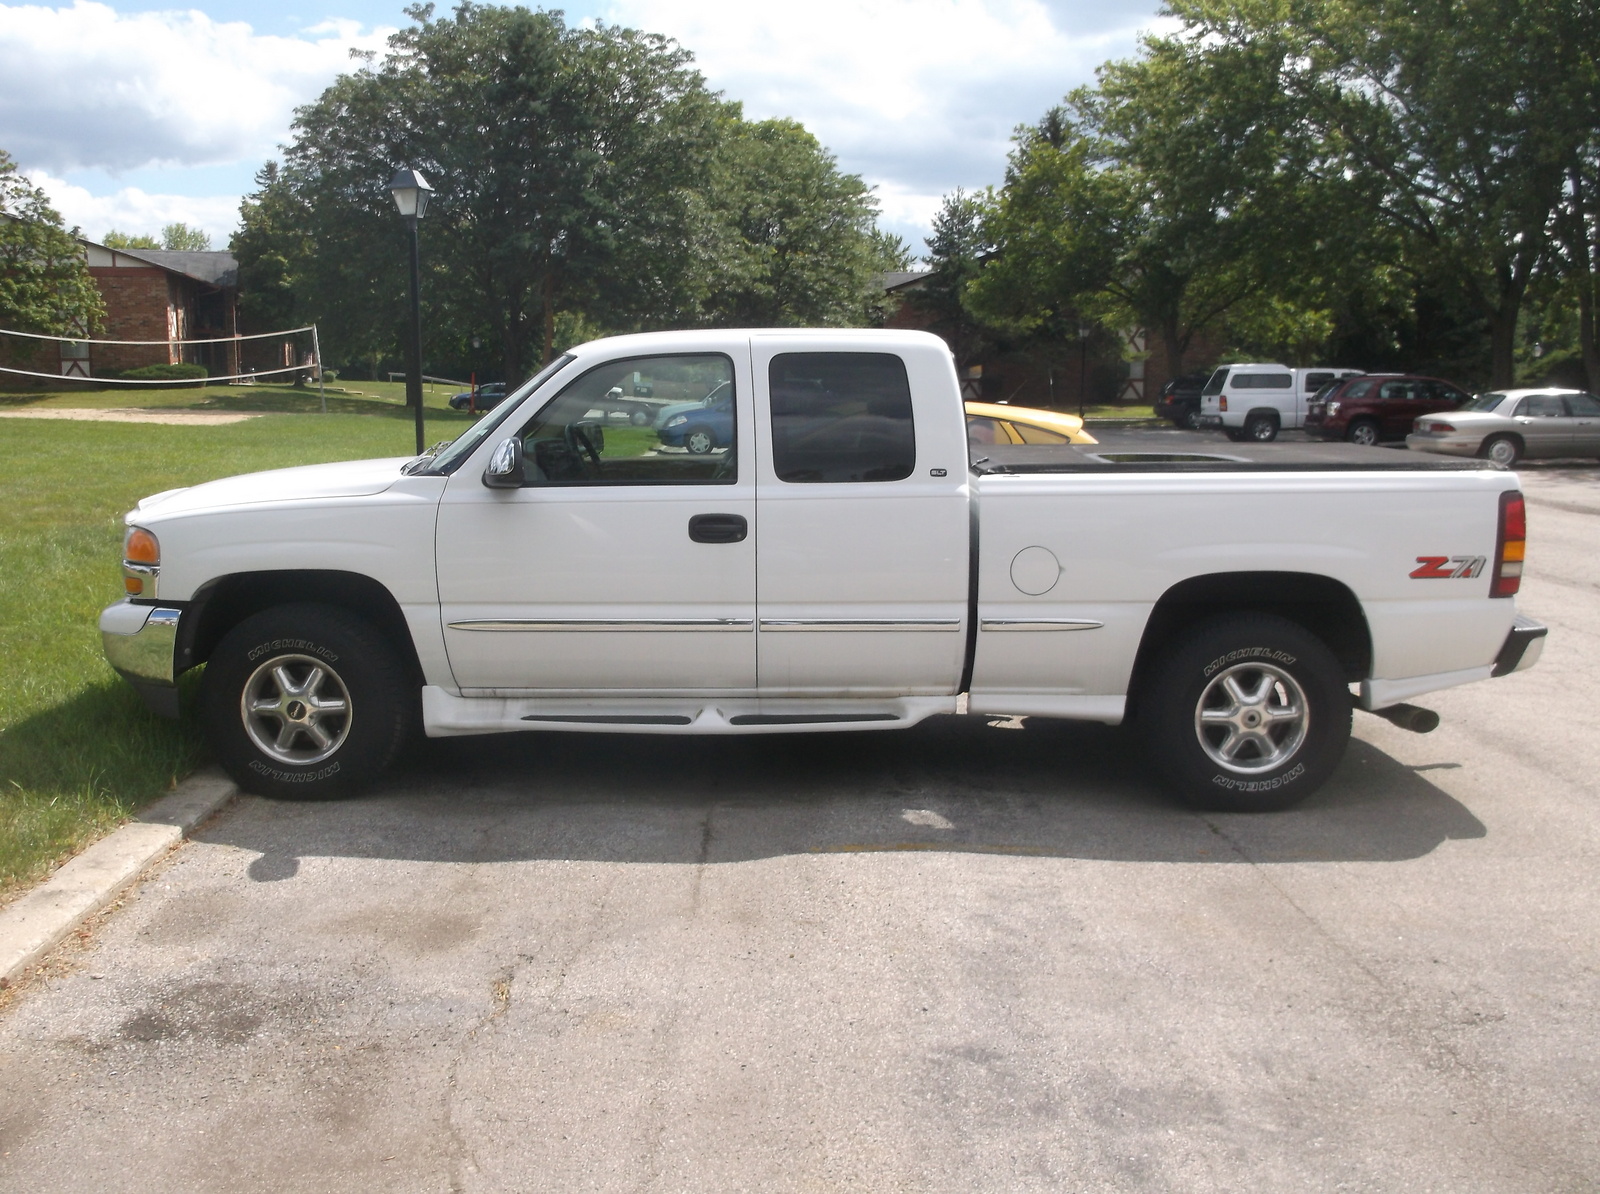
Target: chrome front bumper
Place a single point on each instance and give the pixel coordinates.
(141, 642)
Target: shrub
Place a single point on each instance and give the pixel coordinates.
(183, 372)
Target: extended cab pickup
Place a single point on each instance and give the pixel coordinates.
(841, 564)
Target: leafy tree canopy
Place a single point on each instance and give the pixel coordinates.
(45, 285)
(127, 240)
(174, 236)
(583, 177)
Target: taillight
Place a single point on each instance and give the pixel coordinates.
(1222, 403)
(1435, 426)
(1511, 545)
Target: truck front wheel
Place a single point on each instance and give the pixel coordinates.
(305, 702)
(1250, 714)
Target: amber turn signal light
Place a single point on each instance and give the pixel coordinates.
(140, 547)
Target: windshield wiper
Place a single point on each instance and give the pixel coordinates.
(412, 468)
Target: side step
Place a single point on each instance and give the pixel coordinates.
(444, 714)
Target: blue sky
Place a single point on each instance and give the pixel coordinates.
(133, 115)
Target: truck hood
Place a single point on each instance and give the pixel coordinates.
(352, 478)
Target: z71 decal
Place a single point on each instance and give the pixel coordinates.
(1448, 567)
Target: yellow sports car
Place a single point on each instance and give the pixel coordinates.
(988, 424)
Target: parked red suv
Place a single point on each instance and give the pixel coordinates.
(1377, 406)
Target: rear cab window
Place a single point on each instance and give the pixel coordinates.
(841, 416)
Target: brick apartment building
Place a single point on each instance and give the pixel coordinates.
(156, 294)
(152, 295)
(1124, 368)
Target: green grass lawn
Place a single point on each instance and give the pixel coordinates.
(352, 397)
(78, 751)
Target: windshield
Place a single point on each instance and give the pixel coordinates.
(448, 458)
(1483, 402)
(1214, 386)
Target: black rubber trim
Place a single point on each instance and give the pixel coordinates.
(805, 719)
(971, 653)
(1525, 631)
(614, 719)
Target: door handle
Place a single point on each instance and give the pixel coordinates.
(718, 528)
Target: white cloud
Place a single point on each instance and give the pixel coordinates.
(88, 87)
(135, 211)
(917, 96)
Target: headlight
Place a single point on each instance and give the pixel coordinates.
(677, 420)
(1333, 408)
(141, 562)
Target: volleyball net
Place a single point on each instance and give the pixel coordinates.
(261, 356)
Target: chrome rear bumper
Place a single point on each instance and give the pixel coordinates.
(1522, 646)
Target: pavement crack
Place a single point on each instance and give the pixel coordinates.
(707, 836)
(462, 1156)
(1265, 876)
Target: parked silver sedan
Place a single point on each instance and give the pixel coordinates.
(1506, 425)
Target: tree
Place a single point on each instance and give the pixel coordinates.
(585, 177)
(271, 246)
(795, 241)
(182, 237)
(561, 157)
(45, 285)
(957, 247)
(1173, 196)
(1577, 252)
(1464, 116)
(127, 240)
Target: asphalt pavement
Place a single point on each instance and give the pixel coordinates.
(983, 954)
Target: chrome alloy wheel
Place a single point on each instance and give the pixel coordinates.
(1252, 718)
(296, 709)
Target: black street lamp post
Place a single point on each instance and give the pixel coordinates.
(411, 193)
(1083, 368)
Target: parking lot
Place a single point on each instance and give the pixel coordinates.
(982, 954)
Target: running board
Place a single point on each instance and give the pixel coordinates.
(446, 715)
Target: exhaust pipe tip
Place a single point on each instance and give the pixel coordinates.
(1410, 717)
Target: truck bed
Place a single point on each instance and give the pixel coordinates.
(1127, 451)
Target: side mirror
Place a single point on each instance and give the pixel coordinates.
(505, 466)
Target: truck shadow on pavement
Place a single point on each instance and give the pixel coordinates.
(1051, 789)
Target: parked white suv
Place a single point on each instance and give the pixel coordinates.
(1257, 401)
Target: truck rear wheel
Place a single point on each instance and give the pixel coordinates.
(1263, 429)
(305, 702)
(1250, 714)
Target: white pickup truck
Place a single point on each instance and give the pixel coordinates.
(818, 554)
(1255, 402)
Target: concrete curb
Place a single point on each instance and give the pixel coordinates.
(32, 926)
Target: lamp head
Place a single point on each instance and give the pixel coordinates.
(410, 191)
